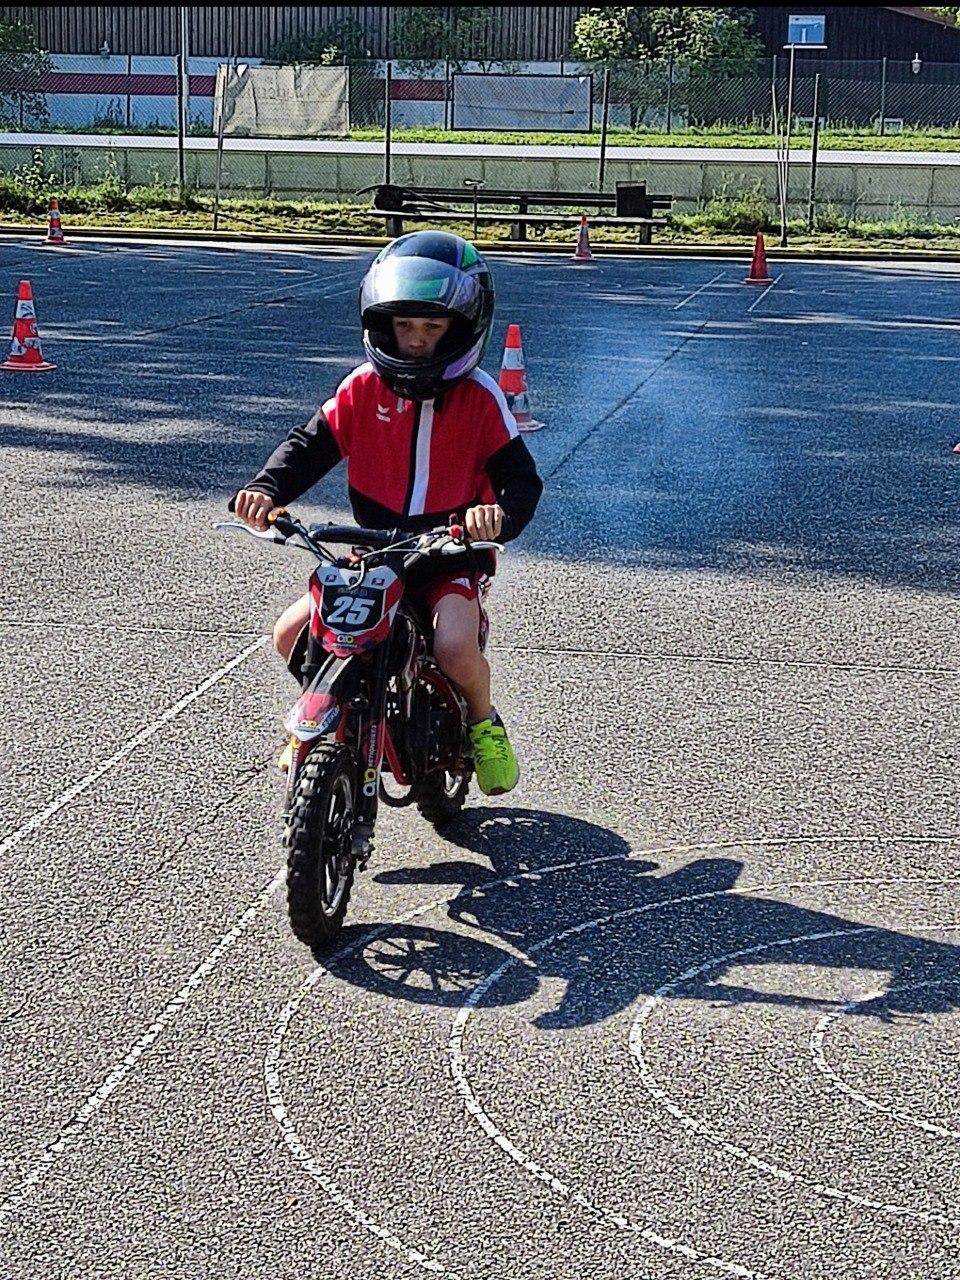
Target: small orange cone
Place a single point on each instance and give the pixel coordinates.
(583, 253)
(55, 234)
(25, 354)
(758, 268)
(513, 381)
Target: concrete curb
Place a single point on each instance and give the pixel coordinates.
(135, 235)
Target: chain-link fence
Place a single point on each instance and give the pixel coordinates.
(567, 126)
(118, 93)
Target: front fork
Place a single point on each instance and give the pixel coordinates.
(370, 718)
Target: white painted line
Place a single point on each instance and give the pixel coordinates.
(131, 744)
(79, 1122)
(700, 290)
(313, 1166)
(820, 1062)
(757, 302)
(694, 1125)
(274, 1058)
(473, 999)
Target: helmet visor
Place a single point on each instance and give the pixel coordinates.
(419, 286)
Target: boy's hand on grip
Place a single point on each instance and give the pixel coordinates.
(484, 523)
(253, 508)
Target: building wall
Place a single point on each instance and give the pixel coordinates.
(866, 32)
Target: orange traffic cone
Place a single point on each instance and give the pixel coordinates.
(513, 381)
(25, 353)
(55, 234)
(583, 253)
(758, 268)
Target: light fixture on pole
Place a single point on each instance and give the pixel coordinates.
(916, 64)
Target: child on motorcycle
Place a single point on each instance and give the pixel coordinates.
(425, 434)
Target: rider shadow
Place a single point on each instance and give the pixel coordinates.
(628, 932)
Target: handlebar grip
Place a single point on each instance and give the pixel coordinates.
(350, 534)
(280, 520)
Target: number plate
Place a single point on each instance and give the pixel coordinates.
(344, 610)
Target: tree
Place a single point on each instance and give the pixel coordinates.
(23, 65)
(442, 33)
(688, 36)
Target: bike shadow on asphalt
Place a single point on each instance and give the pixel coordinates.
(566, 899)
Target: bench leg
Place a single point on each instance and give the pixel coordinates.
(645, 235)
(519, 230)
(395, 226)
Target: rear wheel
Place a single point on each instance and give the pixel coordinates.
(441, 795)
(320, 865)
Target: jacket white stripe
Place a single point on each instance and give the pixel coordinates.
(421, 480)
(488, 383)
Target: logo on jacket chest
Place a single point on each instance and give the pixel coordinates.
(387, 414)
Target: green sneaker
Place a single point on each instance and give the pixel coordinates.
(493, 758)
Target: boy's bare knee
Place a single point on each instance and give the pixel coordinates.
(282, 640)
(456, 654)
(289, 625)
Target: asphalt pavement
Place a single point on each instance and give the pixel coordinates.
(685, 1003)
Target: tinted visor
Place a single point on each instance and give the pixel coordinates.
(419, 286)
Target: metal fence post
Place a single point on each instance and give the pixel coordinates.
(221, 102)
(181, 161)
(811, 204)
(387, 112)
(601, 168)
(670, 94)
(788, 130)
(883, 98)
(129, 95)
(773, 97)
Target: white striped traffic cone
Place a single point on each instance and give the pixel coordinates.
(513, 381)
(583, 253)
(55, 234)
(25, 353)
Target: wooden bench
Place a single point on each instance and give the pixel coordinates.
(518, 221)
(631, 203)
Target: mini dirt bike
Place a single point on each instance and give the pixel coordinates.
(374, 702)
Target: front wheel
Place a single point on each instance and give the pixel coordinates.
(320, 865)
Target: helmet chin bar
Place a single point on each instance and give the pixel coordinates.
(420, 379)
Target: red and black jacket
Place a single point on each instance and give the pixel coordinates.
(411, 464)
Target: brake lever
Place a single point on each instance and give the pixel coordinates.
(455, 548)
(265, 535)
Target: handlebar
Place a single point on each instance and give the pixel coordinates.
(445, 540)
(345, 534)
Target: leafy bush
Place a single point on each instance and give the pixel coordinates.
(745, 212)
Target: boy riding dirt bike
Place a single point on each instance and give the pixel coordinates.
(430, 444)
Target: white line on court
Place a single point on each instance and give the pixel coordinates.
(776, 281)
(700, 290)
(38, 819)
(81, 1119)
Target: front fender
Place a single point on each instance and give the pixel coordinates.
(322, 706)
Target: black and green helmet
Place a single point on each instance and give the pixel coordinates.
(427, 273)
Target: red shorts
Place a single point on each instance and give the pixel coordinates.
(472, 586)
